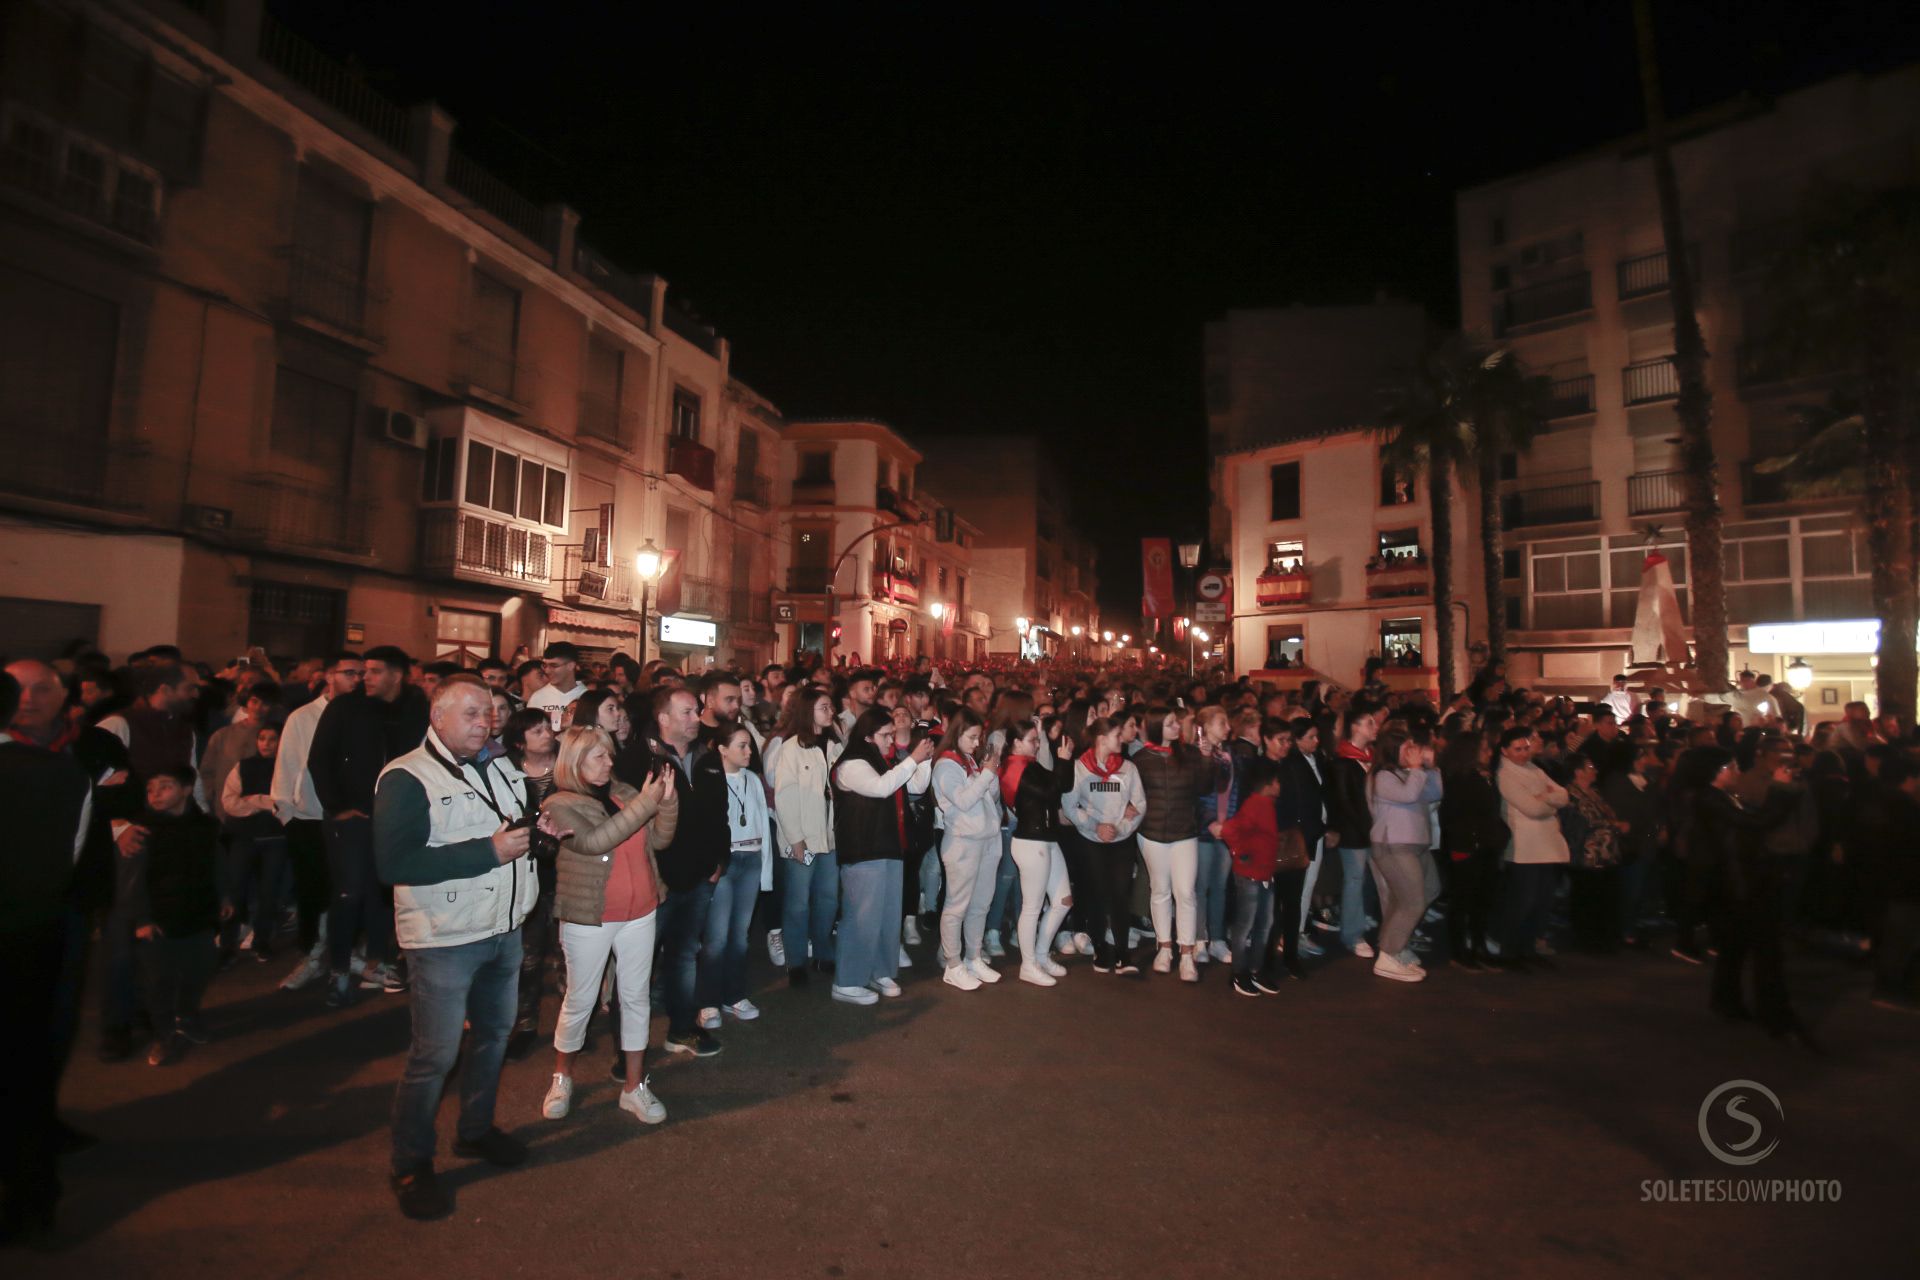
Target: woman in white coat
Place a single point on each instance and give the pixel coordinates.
(803, 817)
(1530, 802)
(967, 790)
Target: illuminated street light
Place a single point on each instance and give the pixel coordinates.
(646, 561)
(1126, 639)
(938, 609)
(1076, 628)
(1022, 625)
(1799, 675)
(1107, 636)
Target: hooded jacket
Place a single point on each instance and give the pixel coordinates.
(1101, 793)
(968, 796)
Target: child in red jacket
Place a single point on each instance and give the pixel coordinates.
(1252, 836)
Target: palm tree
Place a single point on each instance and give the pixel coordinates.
(1706, 556)
(1845, 295)
(1510, 408)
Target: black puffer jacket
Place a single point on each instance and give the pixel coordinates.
(1347, 809)
(1036, 802)
(1173, 779)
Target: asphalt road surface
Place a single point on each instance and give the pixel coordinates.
(1470, 1126)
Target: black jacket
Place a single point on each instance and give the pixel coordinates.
(1470, 820)
(42, 794)
(1036, 802)
(357, 736)
(1347, 809)
(176, 888)
(693, 856)
(1727, 862)
(1306, 794)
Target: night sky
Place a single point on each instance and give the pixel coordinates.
(1016, 219)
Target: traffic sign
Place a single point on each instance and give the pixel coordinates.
(1211, 586)
(1205, 612)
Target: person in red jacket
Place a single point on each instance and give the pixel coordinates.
(1252, 836)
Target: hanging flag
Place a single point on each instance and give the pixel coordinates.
(666, 597)
(1656, 617)
(1156, 576)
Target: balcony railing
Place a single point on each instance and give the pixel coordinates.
(331, 83)
(334, 296)
(808, 580)
(602, 417)
(1552, 504)
(1281, 590)
(280, 512)
(813, 492)
(753, 489)
(498, 378)
(1548, 300)
(1570, 397)
(474, 546)
(893, 501)
(704, 596)
(629, 287)
(690, 460)
(1651, 492)
(495, 197)
(902, 588)
(609, 584)
(1399, 576)
(750, 609)
(1648, 274)
(1650, 381)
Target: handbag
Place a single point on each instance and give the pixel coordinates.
(1293, 851)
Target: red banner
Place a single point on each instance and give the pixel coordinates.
(1156, 577)
(666, 596)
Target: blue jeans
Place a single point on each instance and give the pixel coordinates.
(1006, 886)
(681, 922)
(1529, 902)
(812, 899)
(930, 875)
(870, 898)
(1252, 922)
(723, 952)
(1210, 889)
(476, 983)
(1354, 883)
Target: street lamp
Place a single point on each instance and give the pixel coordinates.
(1107, 636)
(1126, 639)
(1799, 676)
(938, 609)
(646, 567)
(1190, 560)
(1022, 625)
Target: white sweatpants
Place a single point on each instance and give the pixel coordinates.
(971, 863)
(1043, 874)
(586, 947)
(1172, 870)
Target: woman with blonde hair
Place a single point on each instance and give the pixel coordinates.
(607, 892)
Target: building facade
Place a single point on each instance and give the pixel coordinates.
(285, 367)
(1566, 265)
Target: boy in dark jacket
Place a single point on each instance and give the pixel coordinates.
(175, 898)
(1252, 836)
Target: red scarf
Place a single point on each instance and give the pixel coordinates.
(963, 761)
(1010, 777)
(1347, 751)
(1159, 751)
(1112, 766)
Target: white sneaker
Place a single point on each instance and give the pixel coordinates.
(776, 949)
(1189, 971)
(306, 972)
(982, 970)
(957, 976)
(1363, 949)
(887, 987)
(1083, 943)
(559, 1098)
(1221, 951)
(1063, 943)
(1163, 960)
(640, 1101)
(1036, 975)
(357, 963)
(1203, 953)
(910, 931)
(710, 1019)
(374, 977)
(855, 995)
(246, 938)
(1134, 938)
(1388, 967)
(994, 947)
(744, 1010)
(906, 961)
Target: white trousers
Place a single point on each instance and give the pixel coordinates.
(1043, 875)
(586, 947)
(971, 863)
(1172, 870)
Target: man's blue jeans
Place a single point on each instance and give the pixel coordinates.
(723, 953)
(1210, 889)
(681, 924)
(1252, 922)
(812, 896)
(1354, 884)
(475, 983)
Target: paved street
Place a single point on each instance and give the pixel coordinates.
(1475, 1125)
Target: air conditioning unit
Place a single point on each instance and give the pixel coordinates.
(405, 429)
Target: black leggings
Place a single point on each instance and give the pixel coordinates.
(1287, 888)
(307, 849)
(1110, 866)
(1083, 913)
(1472, 883)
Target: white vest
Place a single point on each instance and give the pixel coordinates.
(453, 912)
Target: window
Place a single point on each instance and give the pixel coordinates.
(811, 552)
(1396, 486)
(1284, 477)
(465, 636)
(515, 486)
(1399, 544)
(331, 223)
(1400, 642)
(679, 533)
(1286, 645)
(496, 327)
(436, 477)
(312, 422)
(1510, 563)
(600, 396)
(1567, 590)
(85, 190)
(816, 467)
(943, 580)
(1759, 580)
(57, 364)
(1286, 555)
(747, 454)
(686, 415)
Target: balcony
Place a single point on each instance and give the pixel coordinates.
(972, 620)
(750, 610)
(332, 83)
(1283, 590)
(492, 376)
(610, 585)
(691, 461)
(631, 288)
(494, 197)
(1650, 381)
(1653, 492)
(753, 489)
(891, 500)
(813, 492)
(1570, 397)
(333, 300)
(603, 418)
(901, 588)
(1552, 504)
(1548, 300)
(274, 511)
(1398, 576)
(1647, 275)
(703, 597)
(476, 548)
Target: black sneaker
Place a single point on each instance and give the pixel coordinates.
(1265, 985)
(696, 1042)
(1243, 985)
(1125, 968)
(420, 1194)
(493, 1146)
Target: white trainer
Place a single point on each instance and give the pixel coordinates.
(1189, 971)
(1054, 969)
(982, 970)
(1363, 949)
(1064, 944)
(1163, 960)
(744, 1010)
(1203, 953)
(957, 976)
(1036, 975)
(994, 946)
(1083, 943)
(1223, 952)
(709, 1019)
(640, 1101)
(910, 931)
(559, 1098)
(1389, 967)
(855, 995)
(776, 948)
(308, 971)
(906, 961)
(887, 987)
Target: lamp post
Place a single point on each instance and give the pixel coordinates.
(1799, 675)
(646, 567)
(1190, 560)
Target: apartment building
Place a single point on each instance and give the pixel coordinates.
(284, 366)
(877, 568)
(1031, 564)
(1566, 265)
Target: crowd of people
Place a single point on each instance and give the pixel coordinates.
(472, 839)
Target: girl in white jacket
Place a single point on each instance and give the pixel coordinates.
(803, 818)
(1105, 806)
(967, 790)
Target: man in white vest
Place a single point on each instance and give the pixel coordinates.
(447, 837)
